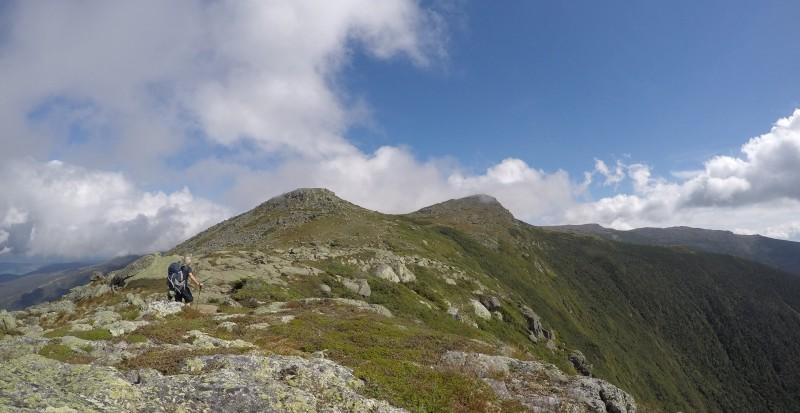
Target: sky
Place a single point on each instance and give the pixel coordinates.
(129, 127)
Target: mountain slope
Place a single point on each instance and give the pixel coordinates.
(51, 282)
(456, 307)
(780, 254)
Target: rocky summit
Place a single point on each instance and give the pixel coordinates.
(313, 304)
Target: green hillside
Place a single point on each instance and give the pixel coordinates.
(681, 330)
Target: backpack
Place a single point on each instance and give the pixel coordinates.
(176, 279)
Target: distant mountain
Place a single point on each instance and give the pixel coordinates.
(51, 281)
(17, 268)
(781, 254)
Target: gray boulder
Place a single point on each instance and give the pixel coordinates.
(578, 360)
(7, 322)
(385, 272)
(359, 286)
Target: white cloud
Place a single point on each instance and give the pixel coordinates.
(754, 193)
(56, 209)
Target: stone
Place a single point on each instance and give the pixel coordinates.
(492, 303)
(75, 343)
(554, 390)
(404, 274)
(480, 310)
(161, 309)
(578, 360)
(227, 325)
(286, 319)
(534, 322)
(136, 301)
(325, 288)
(497, 315)
(385, 272)
(8, 322)
(80, 327)
(105, 317)
(359, 286)
(121, 327)
(450, 281)
(237, 383)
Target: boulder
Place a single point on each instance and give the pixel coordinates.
(325, 288)
(404, 274)
(492, 303)
(480, 310)
(237, 383)
(555, 391)
(385, 272)
(206, 308)
(103, 318)
(534, 323)
(7, 322)
(161, 309)
(359, 286)
(578, 360)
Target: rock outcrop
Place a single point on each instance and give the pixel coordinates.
(222, 383)
(542, 387)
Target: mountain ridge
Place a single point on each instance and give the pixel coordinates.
(307, 273)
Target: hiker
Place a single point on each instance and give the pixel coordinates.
(178, 276)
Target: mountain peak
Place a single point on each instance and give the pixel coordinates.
(473, 209)
(306, 198)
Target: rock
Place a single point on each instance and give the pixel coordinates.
(103, 318)
(554, 390)
(227, 325)
(161, 309)
(534, 323)
(359, 286)
(385, 272)
(578, 360)
(121, 327)
(80, 327)
(75, 343)
(286, 319)
(8, 323)
(194, 365)
(18, 346)
(497, 315)
(325, 288)
(246, 383)
(363, 305)
(271, 308)
(480, 310)
(136, 301)
(259, 326)
(404, 274)
(492, 303)
(204, 341)
(450, 281)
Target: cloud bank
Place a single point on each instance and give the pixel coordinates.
(756, 192)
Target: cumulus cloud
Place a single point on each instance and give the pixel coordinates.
(756, 192)
(56, 209)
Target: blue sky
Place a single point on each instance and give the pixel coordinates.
(129, 127)
(558, 84)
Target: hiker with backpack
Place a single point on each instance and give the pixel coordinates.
(178, 275)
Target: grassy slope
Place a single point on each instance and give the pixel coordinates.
(679, 330)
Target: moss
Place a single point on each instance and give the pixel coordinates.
(170, 361)
(94, 335)
(135, 338)
(172, 329)
(64, 354)
(130, 313)
(393, 356)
